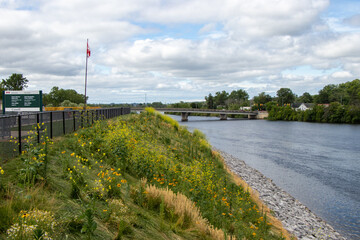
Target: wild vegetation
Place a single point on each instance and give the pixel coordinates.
(336, 104)
(334, 113)
(64, 98)
(136, 177)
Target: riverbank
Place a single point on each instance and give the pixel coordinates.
(295, 217)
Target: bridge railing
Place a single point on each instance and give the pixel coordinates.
(15, 128)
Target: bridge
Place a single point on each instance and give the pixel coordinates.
(185, 112)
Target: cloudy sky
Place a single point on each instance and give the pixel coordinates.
(180, 50)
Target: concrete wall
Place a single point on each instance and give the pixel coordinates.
(262, 114)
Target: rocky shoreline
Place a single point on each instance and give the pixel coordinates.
(295, 217)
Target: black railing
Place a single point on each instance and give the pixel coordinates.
(15, 128)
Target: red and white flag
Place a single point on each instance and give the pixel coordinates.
(88, 50)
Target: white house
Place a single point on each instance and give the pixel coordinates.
(305, 106)
(245, 108)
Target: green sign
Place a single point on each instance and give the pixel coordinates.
(22, 101)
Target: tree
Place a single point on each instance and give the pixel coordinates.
(330, 93)
(57, 96)
(67, 103)
(239, 97)
(305, 98)
(285, 96)
(210, 101)
(181, 104)
(346, 93)
(220, 98)
(196, 104)
(15, 82)
(353, 92)
(157, 105)
(262, 98)
(1, 90)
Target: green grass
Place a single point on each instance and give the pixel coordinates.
(95, 184)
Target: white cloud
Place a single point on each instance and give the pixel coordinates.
(342, 74)
(346, 45)
(174, 50)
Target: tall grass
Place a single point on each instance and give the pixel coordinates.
(186, 211)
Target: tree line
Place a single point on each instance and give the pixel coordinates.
(334, 113)
(345, 93)
(334, 104)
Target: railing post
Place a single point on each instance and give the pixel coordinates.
(51, 124)
(63, 116)
(86, 118)
(19, 133)
(81, 119)
(74, 121)
(38, 126)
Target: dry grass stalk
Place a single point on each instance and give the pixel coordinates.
(185, 209)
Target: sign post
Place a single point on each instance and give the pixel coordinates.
(22, 101)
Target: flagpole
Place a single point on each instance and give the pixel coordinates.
(87, 49)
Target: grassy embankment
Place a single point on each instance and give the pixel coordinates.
(135, 177)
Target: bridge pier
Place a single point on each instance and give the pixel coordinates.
(251, 116)
(184, 116)
(223, 116)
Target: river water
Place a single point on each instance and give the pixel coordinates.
(318, 164)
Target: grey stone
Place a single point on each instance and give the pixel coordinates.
(295, 217)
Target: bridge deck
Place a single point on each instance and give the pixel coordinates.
(195, 110)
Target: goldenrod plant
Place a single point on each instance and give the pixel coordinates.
(141, 176)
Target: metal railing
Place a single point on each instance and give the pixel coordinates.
(15, 128)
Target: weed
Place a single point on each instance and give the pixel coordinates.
(89, 225)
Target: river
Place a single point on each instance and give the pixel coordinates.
(318, 164)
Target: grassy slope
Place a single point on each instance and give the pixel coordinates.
(88, 184)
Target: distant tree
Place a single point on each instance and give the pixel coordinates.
(181, 104)
(285, 96)
(68, 103)
(239, 97)
(305, 98)
(196, 104)
(352, 92)
(15, 82)
(57, 96)
(262, 98)
(157, 105)
(1, 91)
(210, 101)
(220, 98)
(331, 93)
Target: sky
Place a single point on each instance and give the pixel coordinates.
(180, 50)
